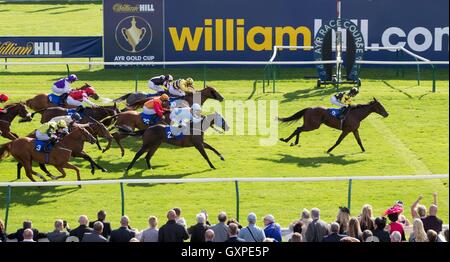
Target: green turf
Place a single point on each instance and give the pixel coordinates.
(412, 140)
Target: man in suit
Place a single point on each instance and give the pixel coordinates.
(58, 235)
(27, 224)
(221, 229)
(317, 229)
(198, 230)
(123, 233)
(209, 236)
(334, 235)
(83, 228)
(172, 231)
(96, 235)
(233, 232)
(101, 216)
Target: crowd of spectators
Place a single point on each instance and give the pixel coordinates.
(309, 228)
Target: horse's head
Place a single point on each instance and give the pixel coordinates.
(85, 135)
(210, 92)
(379, 108)
(21, 110)
(100, 129)
(90, 91)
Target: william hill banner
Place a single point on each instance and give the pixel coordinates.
(247, 30)
(50, 47)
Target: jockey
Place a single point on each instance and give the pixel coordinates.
(74, 118)
(80, 98)
(178, 87)
(49, 132)
(344, 100)
(160, 83)
(156, 106)
(3, 99)
(181, 117)
(62, 86)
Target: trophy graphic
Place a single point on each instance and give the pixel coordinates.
(133, 35)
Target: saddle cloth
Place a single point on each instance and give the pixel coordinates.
(72, 111)
(40, 146)
(170, 135)
(54, 99)
(335, 112)
(150, 119)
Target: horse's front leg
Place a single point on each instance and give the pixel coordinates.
(358, 139)
(44, 168)
(207, 146)
(341, 137)
(201, 149)
(98, 143)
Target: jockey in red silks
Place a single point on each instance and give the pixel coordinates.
(80, 98)
(3, 99)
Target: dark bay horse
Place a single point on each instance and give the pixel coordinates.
(314, 117)
(40, 102)
(137, 100)
(23, 150)
(12, 111)
(97, 113)
(155, 135)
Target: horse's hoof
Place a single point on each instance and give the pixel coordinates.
(221, 158)
(293, 144)
(79, 186)
(104, 170)
(283, 140)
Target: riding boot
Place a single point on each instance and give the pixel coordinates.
(64, 98)
(79, 109)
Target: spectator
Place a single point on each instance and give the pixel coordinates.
(432, 221)
(82, 228)
(366, 219)
(180, 220)
(396, 236)
(198, 230)
(27, 224)
(418, 234)
(123, 233)
(220, 229)
(298, 227)
(342, 219)
(269, 239)
(367, 234)
(151, 233)
(172, 231)
(418, 211)
(380, 233)
(206, 218)
(401, 218)
(2, 231)
(233, 232)
(317, 229)
(349, 239)
(354, 229)
(296, 237)
(252, 233)
(446, 235)
(432, 236)
(28, 235)
(101, 216)
(209, 235)
(96, 235)
(334, 235)
(393, 214)
(58, 235)
(232, 220)
(272, 229)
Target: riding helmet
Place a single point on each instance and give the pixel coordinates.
(3, 98)
(72, 78)
(76, 117)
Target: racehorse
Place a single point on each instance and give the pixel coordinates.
(155, 135)
(23, 150)
(41, 101)
(12, 111)
(137, 100)
(96, 129)
(314, 117)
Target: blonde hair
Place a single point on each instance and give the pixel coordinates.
(366, 220)
(419, 232)
(153, 221)
(342, 219)
(354, 230)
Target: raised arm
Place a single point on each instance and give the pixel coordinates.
(414, 206)
(435, 198)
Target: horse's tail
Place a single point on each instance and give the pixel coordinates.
(295, 117)
(4, 150)
(104, 120)
(37, 112)
(122, 98)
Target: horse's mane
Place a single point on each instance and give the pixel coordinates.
(13, 105)
(362, 105)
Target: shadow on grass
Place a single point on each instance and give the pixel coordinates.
(35, 196)
(308, 93)
(397, 89)
(46, 9)
(140, 175)
(313, 161)
(69, 11)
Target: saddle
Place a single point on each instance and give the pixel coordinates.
(44, 147)
(335, 112)
(150, 120)
(57, 100)
(170, 135)
(72, 111)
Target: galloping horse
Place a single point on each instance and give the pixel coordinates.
(41, 101)
(314, 117)
(137, 100)
(155, 135)
(12, 110)
(23, 150)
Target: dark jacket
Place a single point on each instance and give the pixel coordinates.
(57, 236)
(79, 231)
(106, 228)
(93, 237)
(382, 235)
(19, 235)
(432, 222)
(122, 234)
(3, 236)
(234, 240)
(197, 232)
(172, 232)
(333, 237)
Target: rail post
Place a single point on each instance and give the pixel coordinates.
(90, 65)
(349, 196)
(397, 55)
(122, 197)
(236, 184)
(136, 79)
(68, 70)
(204, 76)
(418, 73)
(6, 61)
(434, 78)
(274, 72)
(8, 201)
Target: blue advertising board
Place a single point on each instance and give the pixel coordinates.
(50, 47)
(248, 30)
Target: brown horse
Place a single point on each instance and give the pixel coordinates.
(155, 135)
(137, 100)
(314, 117)
(12, 111)
(40, 102)
(97, 113)
(23, 150)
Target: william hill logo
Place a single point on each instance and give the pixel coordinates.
(127, 8)
(37, 48)
(232, 35)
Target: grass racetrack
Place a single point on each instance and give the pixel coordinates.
(413, 140)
